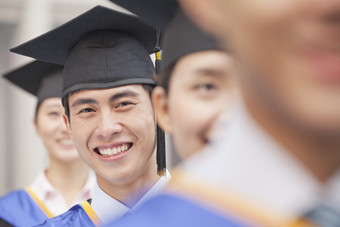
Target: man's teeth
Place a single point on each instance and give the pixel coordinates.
(113, 151)
(66, 142)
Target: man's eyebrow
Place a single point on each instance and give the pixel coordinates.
(209, 72)
(82, 101)
(122, 94)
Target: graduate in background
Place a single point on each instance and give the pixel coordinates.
(67, 180)
(108, 111)
(196, 84)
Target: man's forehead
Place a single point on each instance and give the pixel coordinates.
(105, 94)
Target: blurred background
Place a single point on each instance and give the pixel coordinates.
(22, 154)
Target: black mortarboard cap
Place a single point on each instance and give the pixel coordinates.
(180, 35)
(183, 37)
(101, 48)
(41, 79)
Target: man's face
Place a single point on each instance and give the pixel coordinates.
(201, 86)
(289, 53)
(114, 132)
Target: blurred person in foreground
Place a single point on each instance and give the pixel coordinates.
(289, 57)
(109, 76)
(277, 163)
(67, 180)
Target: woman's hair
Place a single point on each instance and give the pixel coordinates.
(37, 110)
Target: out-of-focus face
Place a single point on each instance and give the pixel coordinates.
(289, 52)
(201, 86)
(114, 132)
(51, 128)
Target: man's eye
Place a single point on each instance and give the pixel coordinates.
(206, 87)
(86, 110)
(122, 104)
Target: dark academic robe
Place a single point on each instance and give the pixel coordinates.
(23, 208)
(80, 215)
(4, 223)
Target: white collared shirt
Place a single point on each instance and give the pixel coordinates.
(244, 159)
(53, 200)
(107, 208)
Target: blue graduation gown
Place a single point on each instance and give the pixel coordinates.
(78, 216)
(22, 208)
(188, 202)
(170, 210)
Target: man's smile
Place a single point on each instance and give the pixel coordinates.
(113, 149)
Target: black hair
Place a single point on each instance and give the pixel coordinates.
(37, 110)
(163, 79)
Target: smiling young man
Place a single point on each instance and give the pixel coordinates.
(108, 80)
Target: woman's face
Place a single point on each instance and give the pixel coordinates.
(201, 86)
(51, 128)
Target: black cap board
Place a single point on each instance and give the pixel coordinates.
(183, 37)
(101, 48)
(42, 79)
(180, 35)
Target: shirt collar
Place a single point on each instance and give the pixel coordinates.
(255, 167)
(88, 188)
(42, 186)
(108, 208)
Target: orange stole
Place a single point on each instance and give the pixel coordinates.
(39, 202)
(90, 212)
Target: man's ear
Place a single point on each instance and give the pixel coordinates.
(67, 123)
(160, 102)
(207, 14)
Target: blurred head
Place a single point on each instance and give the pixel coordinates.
(52, 130)
(193, 93)
(196, 84)
(45, 81)
(289, 54)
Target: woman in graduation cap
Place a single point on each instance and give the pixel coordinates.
(108, 77)
(67, 180)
